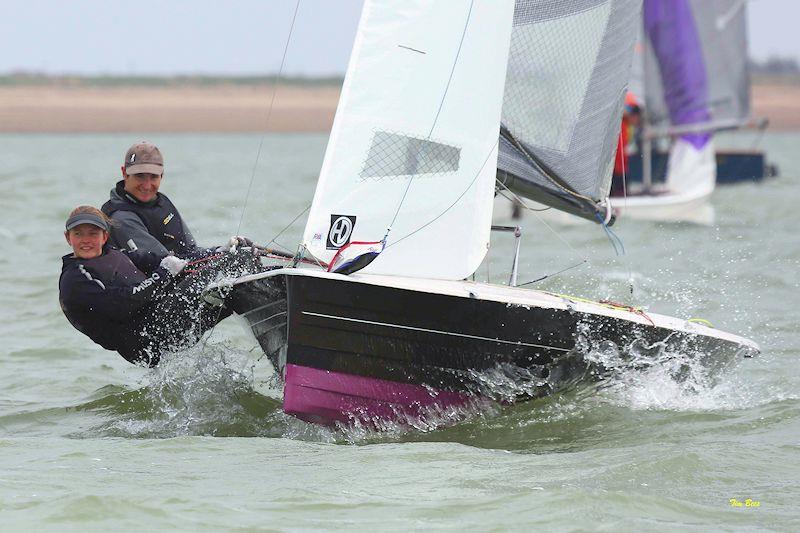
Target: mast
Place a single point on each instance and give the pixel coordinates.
(647, 140)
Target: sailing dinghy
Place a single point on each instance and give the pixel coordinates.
(388, 326)
(695, 82)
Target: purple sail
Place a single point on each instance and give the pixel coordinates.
(672, 31)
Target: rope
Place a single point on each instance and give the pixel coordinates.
(610, 304)
(518, 198)
(614, 239)
(518, 145)
(286, 256)
(631, 309)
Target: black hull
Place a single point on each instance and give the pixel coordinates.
(262, 302)
(446, 341)
(351, 343)
(732, 167)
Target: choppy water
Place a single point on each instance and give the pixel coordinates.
(88, 441)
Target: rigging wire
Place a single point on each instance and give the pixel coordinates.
(448, 208)
(536, 213)
(625, 202)
(289, 225)
(258, 153)
(269, 112)
(584, 262)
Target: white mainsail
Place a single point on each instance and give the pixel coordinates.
(415, 135)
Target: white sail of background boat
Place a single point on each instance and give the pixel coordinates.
(695, 82)
(401, 214)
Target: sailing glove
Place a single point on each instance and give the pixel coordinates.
(173, 264)
(237, 241)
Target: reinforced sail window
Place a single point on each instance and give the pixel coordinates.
(394, 155)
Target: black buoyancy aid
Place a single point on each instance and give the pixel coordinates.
(160, 217)
(113, 268)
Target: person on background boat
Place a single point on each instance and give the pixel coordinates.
(147, 223)
(628, 141)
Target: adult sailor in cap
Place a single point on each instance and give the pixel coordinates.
(147, 223)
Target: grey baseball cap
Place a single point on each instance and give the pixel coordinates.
(86, 218)
(144, 158)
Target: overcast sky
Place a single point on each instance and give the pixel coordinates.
(236, 36)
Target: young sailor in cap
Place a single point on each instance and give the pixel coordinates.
(102, 292)
(106, 294)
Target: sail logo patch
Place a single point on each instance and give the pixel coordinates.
(340, 232)
(168, 218)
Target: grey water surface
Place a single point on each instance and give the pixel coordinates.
(89, 442)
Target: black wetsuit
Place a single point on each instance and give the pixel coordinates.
(108, 299)
(149, 230)
(120, 308)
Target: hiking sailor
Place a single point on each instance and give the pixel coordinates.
(102, 292)
(106, 294)
(147, 223)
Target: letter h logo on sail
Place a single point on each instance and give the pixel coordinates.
(340, 231)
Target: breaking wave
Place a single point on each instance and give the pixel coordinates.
(210, 389)
(676, 377)
(221, 390)
(218, 390)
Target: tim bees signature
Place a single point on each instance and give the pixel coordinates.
(747, 503)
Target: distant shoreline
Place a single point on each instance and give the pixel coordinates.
(217, 108)
(199, 80)
(41, 104)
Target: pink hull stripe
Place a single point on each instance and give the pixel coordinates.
(321, 395)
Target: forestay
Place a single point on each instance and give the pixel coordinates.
(415, 135)
(567, 74)
(696, 65)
